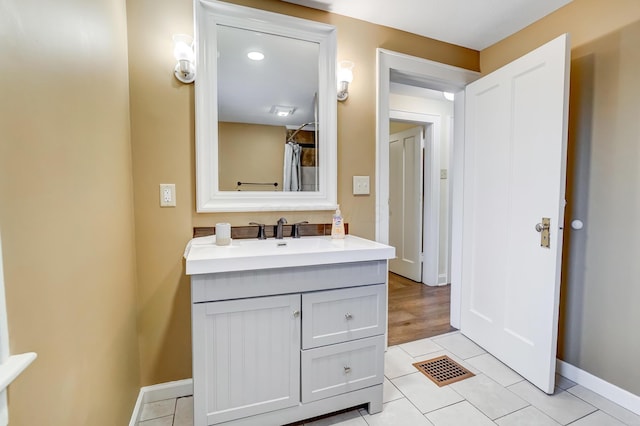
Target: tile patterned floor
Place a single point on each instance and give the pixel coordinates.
(169, 412)
(495, 396)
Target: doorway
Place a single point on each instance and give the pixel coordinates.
(410, 71)
(419, 201)
(417, 311)
(508, 115)
(420, 133)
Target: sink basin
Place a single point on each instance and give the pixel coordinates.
(298, 245)
(203, 256)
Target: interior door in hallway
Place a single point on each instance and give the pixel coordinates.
(514, 176)
(405, 202)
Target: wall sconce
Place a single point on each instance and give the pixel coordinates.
(185, 69)
(345, 76)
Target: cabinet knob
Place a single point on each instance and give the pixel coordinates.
(347, 369)
(348, 316)
(296, 314)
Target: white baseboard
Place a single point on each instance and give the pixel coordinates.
(159, 392)
(603, 388)
(610, 391)
(443, 279)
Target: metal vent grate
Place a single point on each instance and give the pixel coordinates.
(443, 370)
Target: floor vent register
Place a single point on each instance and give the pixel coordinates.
(443, 370)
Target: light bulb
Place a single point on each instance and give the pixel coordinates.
(182, 49)
(255, 56)
(345, 71)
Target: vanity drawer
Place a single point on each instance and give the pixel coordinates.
(336, 369)
(337, 316)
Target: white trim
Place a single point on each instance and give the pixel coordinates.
(456, 195)
(603, 388)
(442, 279)
(209, 198)
(10, 365)
(13, 366)
(160, 392)
(431, 202)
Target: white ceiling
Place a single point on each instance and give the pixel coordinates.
(475, 24)
(248, 90)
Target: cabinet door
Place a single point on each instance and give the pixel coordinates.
(336, 316)
(345, 367)
(246, 357)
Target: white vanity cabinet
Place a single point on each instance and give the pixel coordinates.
(274, 346)
(251, 361)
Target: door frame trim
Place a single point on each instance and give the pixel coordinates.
(439, 77)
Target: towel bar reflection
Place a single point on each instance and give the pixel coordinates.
(274, 184)
(257, 183)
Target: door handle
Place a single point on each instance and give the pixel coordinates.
(544, 229)
(541, 226)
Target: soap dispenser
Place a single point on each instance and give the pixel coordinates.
(337, 225)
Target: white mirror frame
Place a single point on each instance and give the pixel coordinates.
(209, 14)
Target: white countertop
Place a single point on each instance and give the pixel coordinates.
(203, 256)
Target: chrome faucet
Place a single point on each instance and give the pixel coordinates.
(295, 229)
(281, 222)
(261, 234)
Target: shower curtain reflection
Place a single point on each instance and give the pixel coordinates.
(292, 175)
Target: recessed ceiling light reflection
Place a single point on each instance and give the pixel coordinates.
(255, 56)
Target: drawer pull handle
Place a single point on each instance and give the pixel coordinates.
(347, 370)
(296, 314)
(348, 316)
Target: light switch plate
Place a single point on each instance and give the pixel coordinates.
(361, 185)
(167, 195)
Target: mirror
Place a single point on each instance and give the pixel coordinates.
(265, 129)
(261, 103)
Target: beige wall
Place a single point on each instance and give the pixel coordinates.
(66, 211)
(399, 126)
(66, 192)
(162, 121)
(585, 20)
(250, 153)
(601, 284)
(600, 292)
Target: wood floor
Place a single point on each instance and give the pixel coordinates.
(416, 311)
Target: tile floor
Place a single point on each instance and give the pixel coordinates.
(495, 396)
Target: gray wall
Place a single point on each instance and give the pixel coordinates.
(601, 289)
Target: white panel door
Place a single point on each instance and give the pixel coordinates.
(405, 202)
(514, 175)
(246, 357)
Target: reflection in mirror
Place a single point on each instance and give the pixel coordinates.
(267, 93)
(265, 111)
